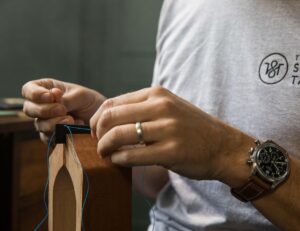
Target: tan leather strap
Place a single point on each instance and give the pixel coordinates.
(252, 190)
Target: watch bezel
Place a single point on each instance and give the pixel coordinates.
(257, 169)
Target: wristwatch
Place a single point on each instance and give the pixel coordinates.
(270, 166)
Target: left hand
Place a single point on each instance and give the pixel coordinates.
(178, 135)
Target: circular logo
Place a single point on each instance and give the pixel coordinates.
(273, 68)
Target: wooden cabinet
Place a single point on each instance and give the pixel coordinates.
(23, 174)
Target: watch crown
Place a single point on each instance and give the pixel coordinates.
(257, 142)
(250, 162)
(251, 150)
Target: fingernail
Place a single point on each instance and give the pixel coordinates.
(116, 159)
(46, 97)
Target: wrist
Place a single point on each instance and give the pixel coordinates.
(233, 169)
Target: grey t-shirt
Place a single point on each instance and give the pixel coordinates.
(240, 61)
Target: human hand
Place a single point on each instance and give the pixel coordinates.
(178, 135)
(51, 101)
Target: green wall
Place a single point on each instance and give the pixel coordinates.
(108, 45)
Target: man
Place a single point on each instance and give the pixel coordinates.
(233, 68)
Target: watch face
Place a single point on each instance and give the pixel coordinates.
(272, 162)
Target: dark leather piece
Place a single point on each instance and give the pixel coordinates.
(252, 190)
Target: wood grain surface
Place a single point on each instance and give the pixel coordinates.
(108, 205)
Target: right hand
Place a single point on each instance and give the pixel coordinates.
(51, 101)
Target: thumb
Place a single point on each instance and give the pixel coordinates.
(56, 94)
(43, 91)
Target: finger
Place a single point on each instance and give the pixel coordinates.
(48, 125)
(148, 155)
(44, 138)
(57, 94)
(136, 96)
(128, 98)
(47, 137)
(124, 135)
(41, 91)
(44, 111)
(124, 114)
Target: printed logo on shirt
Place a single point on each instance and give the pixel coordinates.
(274, 68)
(296, 71)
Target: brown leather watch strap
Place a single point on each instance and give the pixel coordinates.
(252, 190)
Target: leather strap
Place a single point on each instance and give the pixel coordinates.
(252, 190)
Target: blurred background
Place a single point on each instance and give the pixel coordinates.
(108, 45)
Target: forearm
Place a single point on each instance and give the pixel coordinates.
(149, 180)
(188, 141)
(282, 206)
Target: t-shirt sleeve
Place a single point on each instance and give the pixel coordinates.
(155, 78)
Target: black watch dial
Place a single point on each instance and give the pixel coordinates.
(272, 162)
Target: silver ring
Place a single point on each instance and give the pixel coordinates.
(139, 132)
